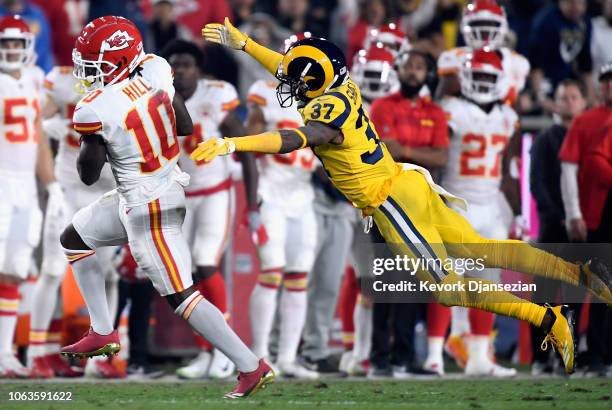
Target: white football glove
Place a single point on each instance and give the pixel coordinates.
(56, 204)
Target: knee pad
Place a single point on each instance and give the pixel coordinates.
(295, 281)
(270, 278)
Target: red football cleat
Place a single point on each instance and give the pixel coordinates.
(250, 383)
(41, 369)
(93, 344)
(61, 367)
(104, 369)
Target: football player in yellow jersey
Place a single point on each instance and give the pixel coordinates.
(406, 205)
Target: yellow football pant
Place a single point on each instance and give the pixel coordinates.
(415, 221)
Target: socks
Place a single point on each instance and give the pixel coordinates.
(213, 289)
(209, 322)
(438, 318)
(503, 303)
(363, 329)
(262, 307)
(9, 304)
(292, 315)
(481, 322)
(435, 345)
(347, 300)
(91, 283)
(478, 347)
(44, 308)
(460, 323)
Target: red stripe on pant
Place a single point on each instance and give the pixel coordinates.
(155, 221)
(347, 300)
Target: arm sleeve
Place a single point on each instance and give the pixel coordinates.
(332, 109)
(383, 120)
(569, 190)
(85, 121)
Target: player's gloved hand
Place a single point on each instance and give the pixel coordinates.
(56, 204)
(225, 34)
(257, 228)
(520, 229)
(206, 151)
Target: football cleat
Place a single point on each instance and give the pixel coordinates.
(357, 367)
(93, 344)
(220, 366)
(457, 349)
(197, 368)
(596, 276)
(345, 359)
(41, 368)
(488, 368)
(434, 367)
(250, 383)
(61, 367)
(561, 336)
(295, 370)
(100, 368)
(11, 367)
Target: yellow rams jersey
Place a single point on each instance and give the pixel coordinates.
(361, 166)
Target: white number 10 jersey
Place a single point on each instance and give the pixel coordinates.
(477, 144)
(136, 119)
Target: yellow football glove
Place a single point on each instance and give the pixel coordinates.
(225, 34)
(209, 149)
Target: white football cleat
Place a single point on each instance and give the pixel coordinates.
(345, 359)
(488, 368)
(434, 366)
(197, 368)
(296, 370)
(220, 366)
(10, 366)
(356, 367)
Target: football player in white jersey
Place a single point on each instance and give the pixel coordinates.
(24, 154)
(132, 118)
(484, 24)
(63, 93)
(481, 126)
(374, 72)
(287, 251)
(210, 194)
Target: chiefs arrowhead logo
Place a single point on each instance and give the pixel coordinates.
(119, 40)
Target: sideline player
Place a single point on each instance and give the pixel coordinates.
(210, 194)
(24, 154)
(287, 214)
(46, 323)
(132, 117)
(405, 204)
(481, 127)
(484, 24)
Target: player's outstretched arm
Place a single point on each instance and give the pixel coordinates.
(184, 124)
(92, 157)
(231, 37)
(273, 142)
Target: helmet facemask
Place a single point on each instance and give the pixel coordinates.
(290, 89)
(481, 85)
(90, 72)
(480, 32)
(12, 59)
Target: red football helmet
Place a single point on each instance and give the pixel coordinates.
(390, 37)
(374, 73)
(484, 24)
(107, 50)
(293, 38)
(15, 28)
(482, 77)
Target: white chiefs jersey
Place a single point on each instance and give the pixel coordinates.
(208, 106)
(284, 177)
(478, 141)
(20, 101)
(61, 86)
(136, 119)
(516, 67)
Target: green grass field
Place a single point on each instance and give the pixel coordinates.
(575, 394)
